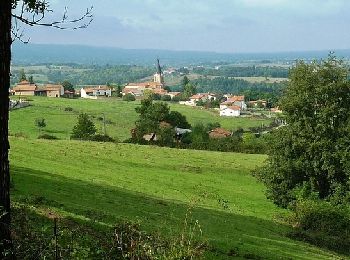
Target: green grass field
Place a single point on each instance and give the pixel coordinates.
(121, 115)
(155, 186)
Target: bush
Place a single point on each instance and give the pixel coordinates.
(320, 223)
(166, 98)
(102, 138)
(84, 129)
(129, 97)
(47, 137)
(68, 109)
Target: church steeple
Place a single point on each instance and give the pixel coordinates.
(159, 68)
(158, 77)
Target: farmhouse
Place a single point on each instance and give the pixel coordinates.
(258, 104)
(25, 88)
(156, 86)
(232, 111)
(174, 94)
(97, 91)
(234, 101)
(54, 90)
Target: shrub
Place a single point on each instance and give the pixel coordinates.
(166, 98)
(129, 97)
(68, 109)
(102, 138)
(84, 129)
(47, 137)
(322, 224)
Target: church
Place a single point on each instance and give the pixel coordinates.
(156, 86)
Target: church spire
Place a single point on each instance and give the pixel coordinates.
(159, 68)
(158, 77)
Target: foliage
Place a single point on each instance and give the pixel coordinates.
(313, 147)
(84, 129)
(189, 90)
(244, 71)
(150, 116)
(177, 119)
(22, 75)
(252, 91)
(323, 224)
(102, 138)
(129, 97)
(166, 98)
(68, 86)
(40, 122)
(47, 137)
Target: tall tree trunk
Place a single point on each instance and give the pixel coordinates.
(5, 60)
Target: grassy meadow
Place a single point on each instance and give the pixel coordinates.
(120, 117)
(109, 182)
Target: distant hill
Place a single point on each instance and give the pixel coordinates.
(44, 53)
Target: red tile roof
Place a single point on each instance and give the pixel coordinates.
(235, 107)
(235, 98)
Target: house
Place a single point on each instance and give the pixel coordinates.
(54, 90)
(232, 111)
(219, 133)
(174, 94)
(258, 104)
(25, 88)
(156, 86)
(50, 90)
(94, 92)
(237, 101)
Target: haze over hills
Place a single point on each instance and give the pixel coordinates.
(46, 53)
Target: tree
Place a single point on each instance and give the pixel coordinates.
(31, 79)
(150, 116)
(40, 123)
(119, 91)
(31, 13)
(129, 97)
(176, 119)
(85, 129)
(22, 75)
(184, 82)
(68, 86)
(189, 90)
(312, 151)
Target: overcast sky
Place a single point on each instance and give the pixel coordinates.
(211, 25)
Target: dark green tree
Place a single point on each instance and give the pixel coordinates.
(129, 97)
(68, 86)
(184, 82)
(176, 119)
(84, 129)
(40, 123)
(22, 75)
(189, 90)
(312, 151)
(31, 79)
(150, 116)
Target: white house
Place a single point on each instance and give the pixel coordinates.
(232, 111)
(234, 101)
(99, 91)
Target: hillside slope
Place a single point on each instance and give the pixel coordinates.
(155, 186)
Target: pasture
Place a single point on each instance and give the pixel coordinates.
(61, 116)
(155, 186)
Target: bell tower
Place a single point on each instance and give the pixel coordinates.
(158, 77)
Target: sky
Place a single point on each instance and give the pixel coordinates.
(234, 26)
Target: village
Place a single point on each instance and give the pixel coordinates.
(227, 105)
